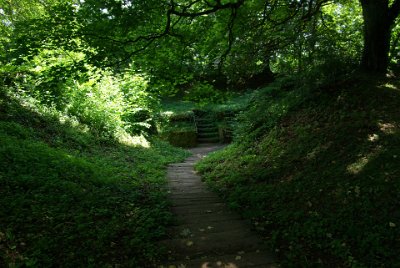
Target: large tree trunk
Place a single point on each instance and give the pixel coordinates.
(377, 30)
(378, 22)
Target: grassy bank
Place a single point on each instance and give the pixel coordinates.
(317, 172)
(69, 198)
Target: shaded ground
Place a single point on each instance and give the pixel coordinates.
(207, 233)
(317, 172)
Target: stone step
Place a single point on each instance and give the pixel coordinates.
(205, 118)
(205, 129)
(208, 134)
(209, 140)
(206, 125)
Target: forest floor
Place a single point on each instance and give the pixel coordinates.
(206, 233)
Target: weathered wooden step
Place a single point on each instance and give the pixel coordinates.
(199, 196)
(176, 190)
(204, 232)
(216, 244)
(190, 201)
(200, 209)
(241, 259)
(208, 218)
(212, 227)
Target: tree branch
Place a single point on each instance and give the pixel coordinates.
(213, 9)
(230, 38)
(131, 54)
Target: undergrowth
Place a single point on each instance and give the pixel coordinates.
(316, 170)
(69, 198)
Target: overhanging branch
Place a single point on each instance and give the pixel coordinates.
(212, 8)
(230, 38)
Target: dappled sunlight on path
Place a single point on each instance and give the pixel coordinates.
(206, 233)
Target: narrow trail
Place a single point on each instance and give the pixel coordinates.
(207, 234)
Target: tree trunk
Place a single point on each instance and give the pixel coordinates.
(377, 32)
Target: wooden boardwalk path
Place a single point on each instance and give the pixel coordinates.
(207, 234)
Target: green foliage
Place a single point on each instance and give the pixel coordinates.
(106, 102)
(394, 51)
(185, 137)
(110, 103)
(63, 189)
(332, 41)
(176, 124)
(79, 79)
(317, 177)
(203, 94)
(267, 106)
(176, 114)
(232, 49)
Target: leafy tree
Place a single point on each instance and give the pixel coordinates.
(219, 41)
(224, 43)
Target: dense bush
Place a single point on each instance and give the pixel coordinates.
(204, 93)
(106, 102)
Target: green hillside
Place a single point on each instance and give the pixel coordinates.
(71, 199)
(316, 170)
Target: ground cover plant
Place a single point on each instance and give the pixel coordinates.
(64, 189)
(316, 170)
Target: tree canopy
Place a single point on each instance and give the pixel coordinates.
(229, 44)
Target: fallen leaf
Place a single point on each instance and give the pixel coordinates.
(185, 232)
